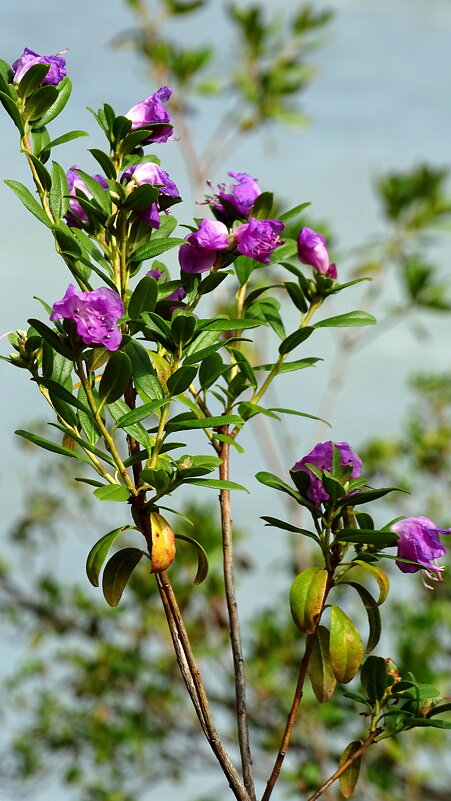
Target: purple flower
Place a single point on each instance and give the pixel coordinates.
(29, 58)
(321, 457)
(176, 296)
(419, 542)
(76, 217)
(150, 111)
(202, 246)
(241, 196)
(258, 238)
(95, 315)
(150, 173)
(312, 250)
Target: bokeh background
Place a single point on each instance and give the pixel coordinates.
(379, 101)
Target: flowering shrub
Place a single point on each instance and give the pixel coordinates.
(130, 363)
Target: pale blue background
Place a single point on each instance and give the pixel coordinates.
(381, 100)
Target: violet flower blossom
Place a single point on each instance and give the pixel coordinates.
(321, 457)
(258, 239)
(29, 58)
(176, 296)
(150, 173)
(76, 216)
(202, 246)
(150, 111)
(241, 197)
(419, 541)
(95, 315)
(312, 250)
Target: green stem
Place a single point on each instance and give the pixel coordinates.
(159, 437)
(109, 441)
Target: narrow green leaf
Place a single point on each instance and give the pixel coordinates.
(346, 649)
(295, 339)
(98, 554)
(11, 108)
(203, 422)
(383, 539)
(216, 483)
(144, 297)
(64, 91)
(182, 378)
(61, 140)
(42, 172)
(105, 163)
(112, 492)
(380, 576)
(307, 595)
(143, 373)
(320, 670)
(50, 446)
(274, 521)
(294, 212)
(373, 677)
(117, 573)
(28, 200)
(220, 324)
(52, 338)
(40, 101)
(115, 378)
(141, 413)
(345, 320)
(63, 393)
(374, 617)
(349, 777)
(59, 202)
(202, 558)
(154, 248)
(287, 367)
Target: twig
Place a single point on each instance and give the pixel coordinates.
(234, 624)
(299, 692)
(369, 741)
(191, 676)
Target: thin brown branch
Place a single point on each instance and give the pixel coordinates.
(234, 624)
(193, 682)
(299, 692)
(369, 741)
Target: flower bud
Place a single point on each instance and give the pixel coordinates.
(163, 543)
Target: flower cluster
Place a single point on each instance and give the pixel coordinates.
(29, 58)
(95, 315)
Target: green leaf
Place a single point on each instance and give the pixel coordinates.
(287, 367)
(141, 197)
(179, 381)
(373, 677)
(50, 446)
(345, 320)
(270, 480)
(261, 209)
(40, 101)
(202, 558)
(117, 573)
(98, 554)
(349, 777)
(220, 324)
(368, 496)
(59, 202)
(105, 163)
(141, 413)
(63, 393)
(216, 483)
(292, 213)
(182, 328)
(346, 649)
(274, 521)
(64, 91)
(28, 200)
(178, 424)
(307, 595)
(295, 339)
(100, 195)
(372, 610)
(143, 372)
(144, 297)
(32, 79)
(299, 414)
(112, 492)
(380, 576)
(52, 338)
(115, 378)
(154, 248)
(383, 539)
(11, 108)
(61, 140)
(320, 670)
(42, 172)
